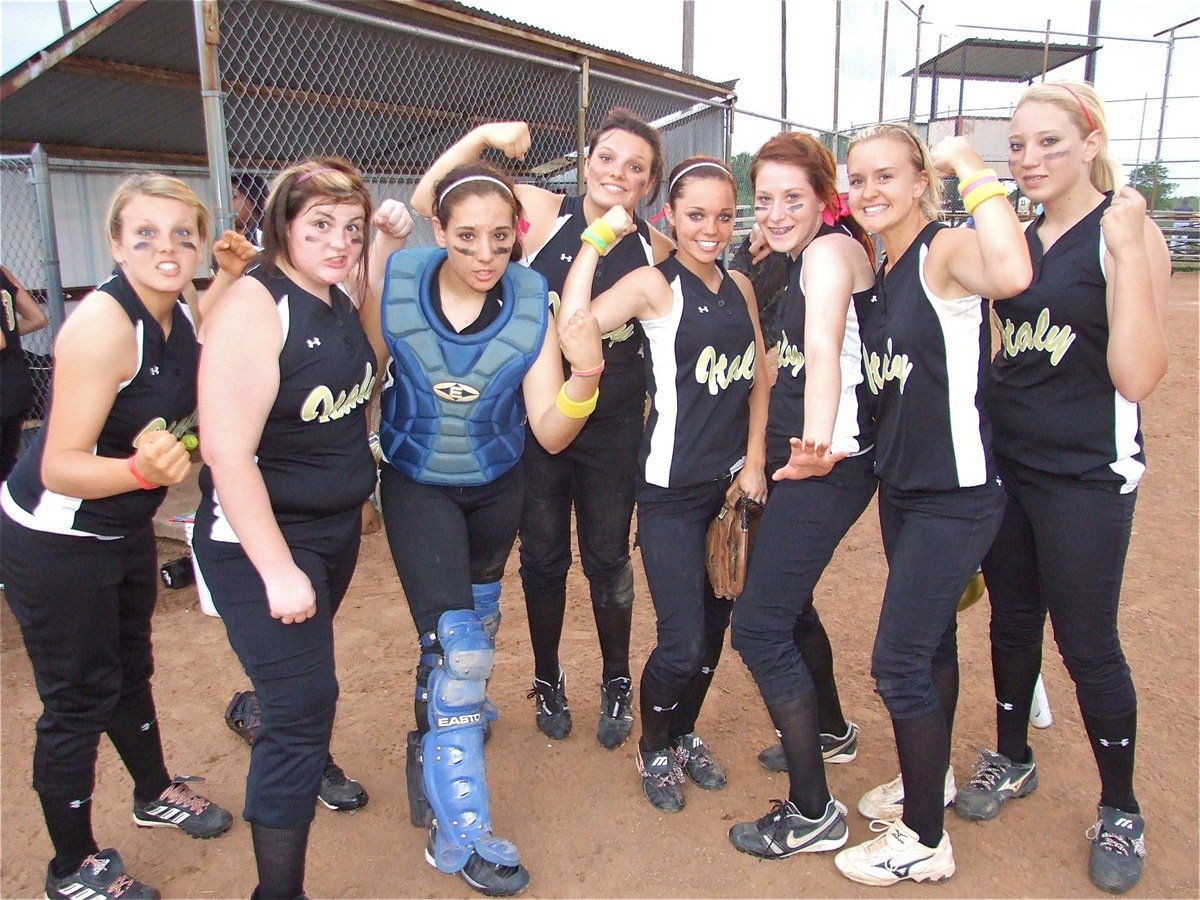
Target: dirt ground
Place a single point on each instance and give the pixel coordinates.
(576, 810)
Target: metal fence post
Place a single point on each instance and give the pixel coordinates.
(50, 266)
(208, 37)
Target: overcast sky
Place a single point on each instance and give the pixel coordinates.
(741, 40)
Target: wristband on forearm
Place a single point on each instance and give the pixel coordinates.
(131, 465)
(575, 409)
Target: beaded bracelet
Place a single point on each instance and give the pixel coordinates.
(145, 485)
(600, 235)
(575, 409)
(588, 373)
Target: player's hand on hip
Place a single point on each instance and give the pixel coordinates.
(290, 596)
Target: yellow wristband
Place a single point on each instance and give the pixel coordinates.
(978, 195)
(574, 409)
(603, 230)
(588, 238)
(975, 179)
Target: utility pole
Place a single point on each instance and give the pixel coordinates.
(689, 36)
(883, 57)
(1089, 67)
(912, 94)
(783, 65)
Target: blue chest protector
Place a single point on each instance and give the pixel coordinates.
(453, 412)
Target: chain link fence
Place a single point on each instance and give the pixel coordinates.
(22, 253)
(390, 96)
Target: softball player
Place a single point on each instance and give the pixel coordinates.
(703, 441)
(80, 564)
(597, 474)
(1079, 349)
(926, 356)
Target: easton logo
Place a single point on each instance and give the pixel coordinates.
(451, 721)
(456, 392)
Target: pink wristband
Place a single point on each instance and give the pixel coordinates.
(145, 485)
(588, 373)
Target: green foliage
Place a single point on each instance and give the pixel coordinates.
(740, 166)
(1142, 177)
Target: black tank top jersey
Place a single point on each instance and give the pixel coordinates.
(161, 394)
(854, 427)
(926, 358)
(1052, 401)
(623, 384)
(699, 369)
(313, 454)
(16, 387)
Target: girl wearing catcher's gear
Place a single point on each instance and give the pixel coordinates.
(820, 442)
(926, 358)
(79, 562)
(473, 354)
(703, 442)
(285, 377)
(597, 474)
(1079, 349)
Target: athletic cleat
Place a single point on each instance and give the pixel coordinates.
(887, 800)
(996, 779)
(490, 879)
(895, 855)
(1118, 850)
(697, 761)
(834, 749)
(784, 832)
(662, 779)
(181, 807)
(616, 713)
(553, 711)
(99, 877)
(339, 792)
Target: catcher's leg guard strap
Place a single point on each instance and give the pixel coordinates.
(454, 777)
(487, 606)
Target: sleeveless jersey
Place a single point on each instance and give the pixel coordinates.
(700, 368)
(453, 412)
(313, 454)
(160, 394)
(16, 387)
(926, 359)
(1052, 401)
(623, 384)
(854, 427)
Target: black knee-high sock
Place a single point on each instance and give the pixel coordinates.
(134, 732)
(924, 750)
(796, 721)
(279, 854)
(1014, 674)
(813, 643)
(945, 682)
(1114, 740)
(613, 626)
(70, 825)
(656, 713)
(688, 710)
(545, 610)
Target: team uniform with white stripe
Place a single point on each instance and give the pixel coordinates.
(700, 360)
(318, 470)
(81, 575)
(1070, 450)
(806, 519)
(927, 359)
(596, 474)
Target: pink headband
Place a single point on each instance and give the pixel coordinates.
(1087, 115)
(311, 172)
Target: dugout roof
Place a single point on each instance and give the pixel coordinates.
(993, 59)
(126, 85)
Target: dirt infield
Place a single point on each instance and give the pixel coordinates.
(576, 810)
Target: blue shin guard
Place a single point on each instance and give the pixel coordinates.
(454, 777)
(487, 606)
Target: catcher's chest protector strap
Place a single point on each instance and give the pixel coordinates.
(454, 414)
